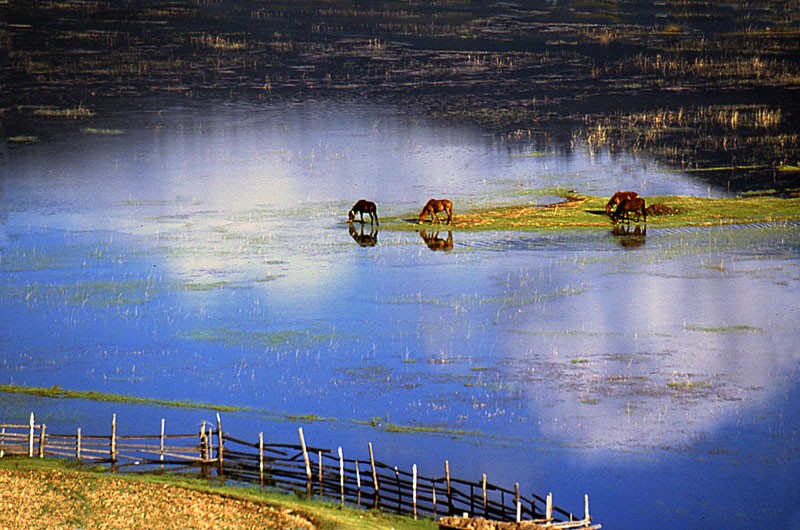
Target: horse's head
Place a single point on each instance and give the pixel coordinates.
(351, 215)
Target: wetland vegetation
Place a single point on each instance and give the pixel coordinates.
(704, 87)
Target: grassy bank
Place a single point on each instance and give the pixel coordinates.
(48, 493)
(587, 211)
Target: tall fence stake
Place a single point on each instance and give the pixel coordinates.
(113, 438)
(375, 485)
(549, 507)
(433, 494)
(305, 457)
(358, 485)
(483, 487)
(518, 502)
(220, 446)
(261, 459)
(78, 445)
(414, 488)
(319, 457)
(42, 438)
(30, 436)
(447, 483)
(341, 474)
(162, 443)
(586, 509)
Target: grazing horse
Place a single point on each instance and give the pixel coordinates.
(629, 207)
(618, 198)
(436, 205)
(435, 242)
(362, 207)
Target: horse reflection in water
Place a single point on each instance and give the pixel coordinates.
(435, 242)
(364, 239)
(630, 237)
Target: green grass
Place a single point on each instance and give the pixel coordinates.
(23, 139)
(102, 132)
(689, 385)
(396, 428)
(74, 113)
(579, 211)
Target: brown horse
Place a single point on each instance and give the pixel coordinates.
(629, 207)
(433, 206)
(618, 198)
(362, 207)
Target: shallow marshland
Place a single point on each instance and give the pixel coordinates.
(201, 262)
(173, 238)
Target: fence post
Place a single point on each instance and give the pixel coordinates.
(549, 508)
(78, 445)
(483, 487)
(586, 509)
(518, 502)
(319, 456)
(42, 438)
(399, 490)
(113, 438)
(2, 442)
(414, 488)
(210, 447)
(358, 485)
(341, 474)
(261, 459)
(220, 447)
(433, 493)
(375, 486)
(31, 423)
(203, 449)
(162, 442)
(447, 483)
(306, 458)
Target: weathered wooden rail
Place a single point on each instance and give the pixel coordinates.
(366, 483)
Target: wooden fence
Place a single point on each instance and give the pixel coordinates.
(299, 468)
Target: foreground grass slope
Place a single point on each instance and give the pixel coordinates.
(53, 493)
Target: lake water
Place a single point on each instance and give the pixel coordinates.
(199, 252)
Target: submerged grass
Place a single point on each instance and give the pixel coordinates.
(56, 392)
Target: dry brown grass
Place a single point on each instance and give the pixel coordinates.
(57, 499)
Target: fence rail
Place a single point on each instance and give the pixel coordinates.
(366, 483)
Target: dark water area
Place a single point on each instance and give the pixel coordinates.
(200, 253)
